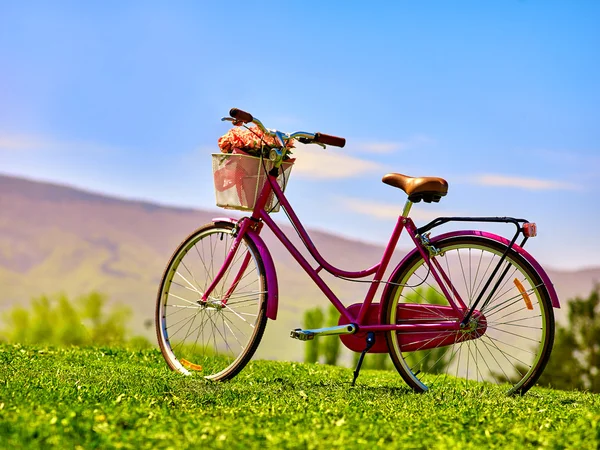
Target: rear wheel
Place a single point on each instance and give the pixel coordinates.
(212, 339)
(510, 338)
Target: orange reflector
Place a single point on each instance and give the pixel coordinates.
(524, 294)
(189, 365)
(530, 229)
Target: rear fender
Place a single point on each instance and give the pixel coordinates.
(268, 264)
(492, 237)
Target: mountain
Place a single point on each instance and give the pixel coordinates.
(59, 239)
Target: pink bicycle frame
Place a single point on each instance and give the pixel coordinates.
(251, 225)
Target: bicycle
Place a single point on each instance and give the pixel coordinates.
(492, 323)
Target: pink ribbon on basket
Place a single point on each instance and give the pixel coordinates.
(243, 174)
(227, 177)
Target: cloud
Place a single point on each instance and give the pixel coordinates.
(387, 147)
(24, 142)
(532, 184)
(36, 143)
(381, 147)
(574, 157)
(317, 163)
(586, 164)
(386, 211)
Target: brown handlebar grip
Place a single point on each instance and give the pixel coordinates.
(330, 140)
(241, 115)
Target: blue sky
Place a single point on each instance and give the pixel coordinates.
(501, 98)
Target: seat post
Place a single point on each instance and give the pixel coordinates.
(407, 207)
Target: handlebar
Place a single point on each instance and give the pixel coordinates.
(241, 115)
(330, 140)
(238, 115)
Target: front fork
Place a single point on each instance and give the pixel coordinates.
(239, 232)
(237, 279)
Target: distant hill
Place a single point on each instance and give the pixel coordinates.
(56, 238)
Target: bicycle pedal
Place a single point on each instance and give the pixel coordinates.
(302, 335)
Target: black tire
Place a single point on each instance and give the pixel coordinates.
(210, 339)
(513, 346)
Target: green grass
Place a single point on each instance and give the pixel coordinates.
(115, 398)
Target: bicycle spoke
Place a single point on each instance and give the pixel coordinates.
(490, 371)
(185, 321)
(505, 339)
(496, 319)
(184, 300)
(193, 288)
(507, 355)
(513, 322)
(514, 334)
(462, 269)
(233, 334)
(210, 338)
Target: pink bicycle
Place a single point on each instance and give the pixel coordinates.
(461, 307)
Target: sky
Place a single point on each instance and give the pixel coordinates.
(500, 98)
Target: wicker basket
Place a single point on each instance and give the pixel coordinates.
(239, 179)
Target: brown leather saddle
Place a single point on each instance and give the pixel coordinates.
(428, 189)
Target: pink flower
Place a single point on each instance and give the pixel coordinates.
(250, 140)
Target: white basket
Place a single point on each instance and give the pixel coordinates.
(239, 180)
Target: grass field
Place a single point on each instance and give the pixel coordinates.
(115, 398)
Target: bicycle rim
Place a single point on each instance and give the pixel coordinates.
(208, 338)
(508, 342)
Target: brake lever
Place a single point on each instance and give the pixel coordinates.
(237, 123)
(310, 141)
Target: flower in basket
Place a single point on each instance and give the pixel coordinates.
(251, 140)
(245, 177)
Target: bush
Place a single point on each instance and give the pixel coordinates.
(58, 321)
(575, 359)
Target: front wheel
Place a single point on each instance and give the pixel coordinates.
(213, 338)
(509, 340)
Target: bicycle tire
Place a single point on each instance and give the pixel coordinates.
(208, 339)
(509, 346)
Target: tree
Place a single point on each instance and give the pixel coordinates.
(322, 348)
(330, 347)
(57, 321)
(575, 359)
(313, 318)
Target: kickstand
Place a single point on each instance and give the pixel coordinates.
(370, 343)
